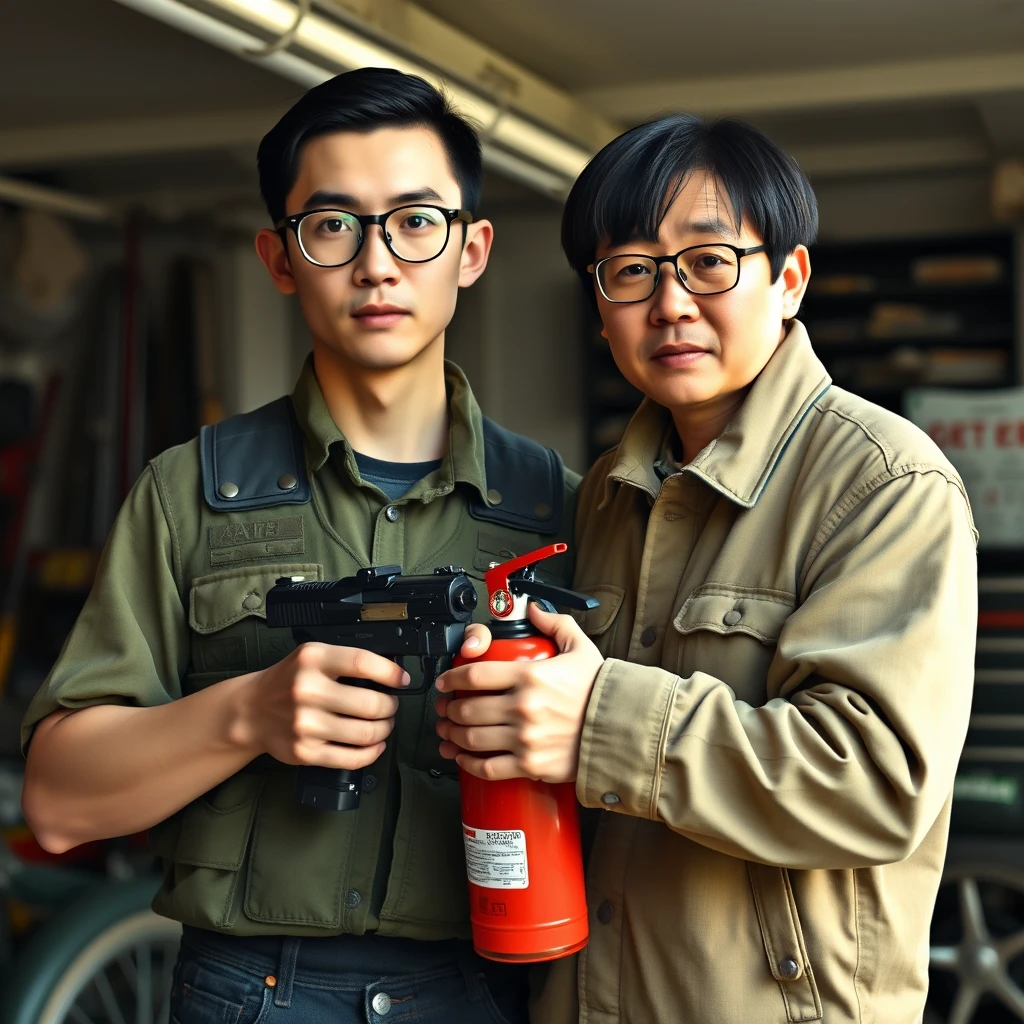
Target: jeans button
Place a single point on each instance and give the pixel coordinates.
(381, 1003)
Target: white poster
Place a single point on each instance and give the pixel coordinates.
(982, 434)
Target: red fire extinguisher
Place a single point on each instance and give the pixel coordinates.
(523, 853)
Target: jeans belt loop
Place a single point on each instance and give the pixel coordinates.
(286, 971)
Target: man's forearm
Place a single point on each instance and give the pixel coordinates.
(110, 770)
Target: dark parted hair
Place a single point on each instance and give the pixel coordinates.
(365, 100)
(625, 191)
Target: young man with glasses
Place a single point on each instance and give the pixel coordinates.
(769, 705)
(174, 708)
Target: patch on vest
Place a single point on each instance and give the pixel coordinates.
(225, 655)
(240, 542)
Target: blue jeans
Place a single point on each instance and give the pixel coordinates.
(364, 980)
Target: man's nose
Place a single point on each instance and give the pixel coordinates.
(375, 263)
(672, 302)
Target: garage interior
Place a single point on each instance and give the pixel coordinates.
(133, 307)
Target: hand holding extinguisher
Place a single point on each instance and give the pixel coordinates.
(523, 852)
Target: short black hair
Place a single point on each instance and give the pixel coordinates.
(625, 191)
(365, 100)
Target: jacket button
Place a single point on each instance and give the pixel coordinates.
(352, 899)
(369, 783)
(790, 969)
(605, 912)
(648, 636)
(610, 799)
(381, 1003)
(228, 489)
(732, 617)
(391, 513)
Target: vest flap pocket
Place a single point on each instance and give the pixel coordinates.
(784, 941)
(215, 828)
(597, 621)
(725, 609)
(224, 598)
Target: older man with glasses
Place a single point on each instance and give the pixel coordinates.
(769, 705)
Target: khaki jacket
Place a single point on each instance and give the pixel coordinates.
(789, 624)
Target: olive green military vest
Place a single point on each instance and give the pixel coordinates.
(244, 858)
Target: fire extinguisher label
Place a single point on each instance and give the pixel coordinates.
(496, 859)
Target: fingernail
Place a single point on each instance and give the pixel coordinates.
(406, 679)
(440, 684)
(473, 641)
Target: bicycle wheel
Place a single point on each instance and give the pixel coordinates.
(107, 959)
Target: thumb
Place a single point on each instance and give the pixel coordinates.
(563, 629)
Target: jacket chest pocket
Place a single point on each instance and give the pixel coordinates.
(731, 633)
(227, 612)
(601, 624)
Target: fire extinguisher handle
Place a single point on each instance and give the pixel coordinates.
(556, 595)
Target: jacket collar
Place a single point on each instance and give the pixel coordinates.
(740, 460)
(462, 463)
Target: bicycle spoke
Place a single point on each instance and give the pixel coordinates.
(944, 958)
(102, 983)
(971, 910)
(144, 991)
(78, 1015)
(964, 1005)
(128, 969)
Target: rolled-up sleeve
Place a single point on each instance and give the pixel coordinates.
(852, 757)
(130, 643)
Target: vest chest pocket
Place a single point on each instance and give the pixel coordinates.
(227, 613)
(731, 632)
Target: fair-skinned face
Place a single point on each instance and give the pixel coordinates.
(376, 313)
(698, 354)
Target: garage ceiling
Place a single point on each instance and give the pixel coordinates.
(98, 97)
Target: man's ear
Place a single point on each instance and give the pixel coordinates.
(270, 248)
(475, 251)
(796, 272)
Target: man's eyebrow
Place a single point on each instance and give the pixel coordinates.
(323, 199)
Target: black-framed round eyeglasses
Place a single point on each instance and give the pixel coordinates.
(701, 270)
(413, 234)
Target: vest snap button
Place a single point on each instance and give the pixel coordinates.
(287, 482)
(352, 899)
(732, 617)
(494, 497)
(252, 602)
(610, 799)
(789, 969)
(228, 489)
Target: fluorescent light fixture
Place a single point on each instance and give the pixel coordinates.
(513, 146)
(51, 200)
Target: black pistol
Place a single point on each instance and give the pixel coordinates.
(379, 610)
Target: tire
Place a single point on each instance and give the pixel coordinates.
(106, 959)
